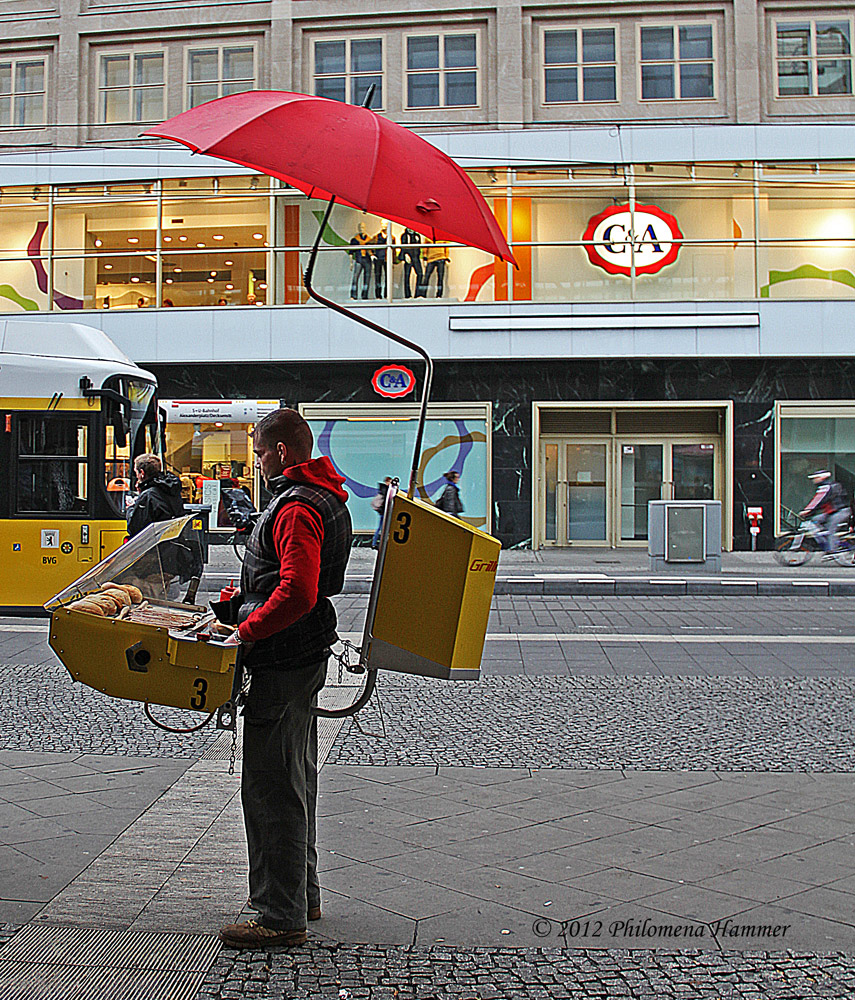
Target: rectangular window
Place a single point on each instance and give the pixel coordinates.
(52, 466)
(442, 71)
(346, 68)
(579, 65)
(23, 92)
(217, 71)
(813, 58)
(131, 87)
(677, 62)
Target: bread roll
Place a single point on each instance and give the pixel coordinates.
(109, 604)
(119, 595)
(134, 593)
(88, 607)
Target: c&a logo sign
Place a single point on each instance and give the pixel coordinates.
(618, 236)
(393, 381)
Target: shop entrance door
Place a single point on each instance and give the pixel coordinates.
(577, 486)
(660, 470)
(598, 467)
(642, 478)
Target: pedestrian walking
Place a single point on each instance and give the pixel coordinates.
(159, 494)
(378, 503)
(449, 499)
(295, 561)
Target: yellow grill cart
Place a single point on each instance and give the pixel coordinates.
(431, 593)
(149, 646)
(122, 629)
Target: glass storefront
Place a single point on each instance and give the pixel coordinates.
(746, 230)
(209, 447)
(812, 436)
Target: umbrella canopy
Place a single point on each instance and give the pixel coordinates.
(328, 149)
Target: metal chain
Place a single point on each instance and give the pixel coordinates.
(343, 659)
(233, 755)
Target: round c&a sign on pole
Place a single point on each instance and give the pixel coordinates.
(646, 236)
(393, 381)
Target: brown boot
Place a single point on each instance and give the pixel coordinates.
(253, 935)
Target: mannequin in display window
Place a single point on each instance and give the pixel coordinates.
(361, 261)
(411, 255)
(378, 254)
(437, 259)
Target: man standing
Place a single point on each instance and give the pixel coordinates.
(295, 561)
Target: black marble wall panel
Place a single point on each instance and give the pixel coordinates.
(753, 384)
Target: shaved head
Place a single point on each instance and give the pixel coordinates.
(289, 428)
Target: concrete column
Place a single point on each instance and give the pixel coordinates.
(283, 71)
(746, 62)
(509, 103)
(69, 77)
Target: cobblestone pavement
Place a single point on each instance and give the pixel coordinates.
(730, 684)
(377, 973)
(726, 723)
(653, 615)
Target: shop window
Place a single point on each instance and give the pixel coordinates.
(579, 65)
(345, 68)
(216, 453)
(677, 62)
(368, 442)
(808, 443)
(442, 71)
(23, 92)
(217, 71)
(131, 87)
(52, 475)
(813, 58)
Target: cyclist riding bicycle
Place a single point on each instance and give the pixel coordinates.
(828, 509)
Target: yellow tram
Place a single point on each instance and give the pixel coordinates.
(75, 412)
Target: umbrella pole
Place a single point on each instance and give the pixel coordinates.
(307, 281)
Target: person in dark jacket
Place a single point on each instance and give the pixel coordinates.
(160, 495)
(295, 561)
(449, 499)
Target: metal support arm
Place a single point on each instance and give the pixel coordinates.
(307, 281)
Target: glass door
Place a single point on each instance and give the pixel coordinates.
(586, 493)
(693, 471)
(641, 470)
(575, 492)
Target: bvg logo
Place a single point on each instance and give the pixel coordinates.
(646, 236)
(393, 381)
(487, 567)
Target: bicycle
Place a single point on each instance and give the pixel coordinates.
(798, 546)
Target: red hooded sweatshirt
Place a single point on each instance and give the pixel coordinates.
(298, 533)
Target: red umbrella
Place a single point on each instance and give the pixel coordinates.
(332, 150)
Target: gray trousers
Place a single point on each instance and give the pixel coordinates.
(831, 524)
(279, 792)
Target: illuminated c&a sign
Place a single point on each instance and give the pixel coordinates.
(393, 381)
(646, 236)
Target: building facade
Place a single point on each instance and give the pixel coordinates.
(677, 183)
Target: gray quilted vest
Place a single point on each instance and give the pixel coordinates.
(308, 640)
